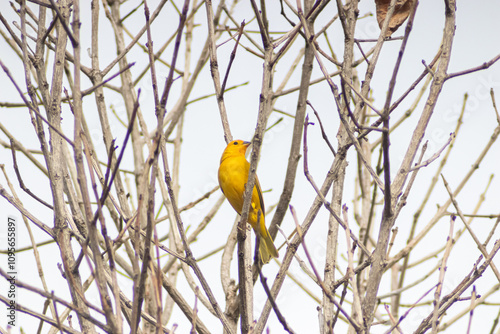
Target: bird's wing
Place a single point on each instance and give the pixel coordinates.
(259, 192)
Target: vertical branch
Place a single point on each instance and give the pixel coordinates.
(99, 215)
(245, 279)
(77, 105)
(265, 105)
(436, 86)
(82, 180)
(214, 71)
(298, 126)
(331, 263)
(232, 309)
(146, 259)
(97, 79)
(173, 236)
(264, 33)
(388, 217)
(264, 112)
(348, 20)
(442, 272)
(356, 304)
(155, 276)
(128, 93)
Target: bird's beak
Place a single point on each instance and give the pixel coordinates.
(246, 143)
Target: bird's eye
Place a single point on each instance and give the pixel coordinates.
(235, 143)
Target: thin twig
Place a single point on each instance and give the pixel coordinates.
(469, 229)
(29, 105)
(435, 155)
(323, 199)
(352, 322)
(276, 310)
(442, 271)
(20, 179)
(323, 133)
(474, 69)
(492, 94)
(231, 58)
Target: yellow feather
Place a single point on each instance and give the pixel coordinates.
(233, 175)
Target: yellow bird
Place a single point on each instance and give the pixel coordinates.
(233, 176)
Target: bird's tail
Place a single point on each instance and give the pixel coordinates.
(267, 249)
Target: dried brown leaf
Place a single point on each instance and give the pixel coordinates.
(401, 12)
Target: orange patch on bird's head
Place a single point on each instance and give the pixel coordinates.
(236, 147)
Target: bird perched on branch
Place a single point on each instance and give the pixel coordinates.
(233, 176)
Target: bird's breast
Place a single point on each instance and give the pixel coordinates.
(233, 174)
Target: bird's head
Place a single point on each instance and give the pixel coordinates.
(234, 148)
